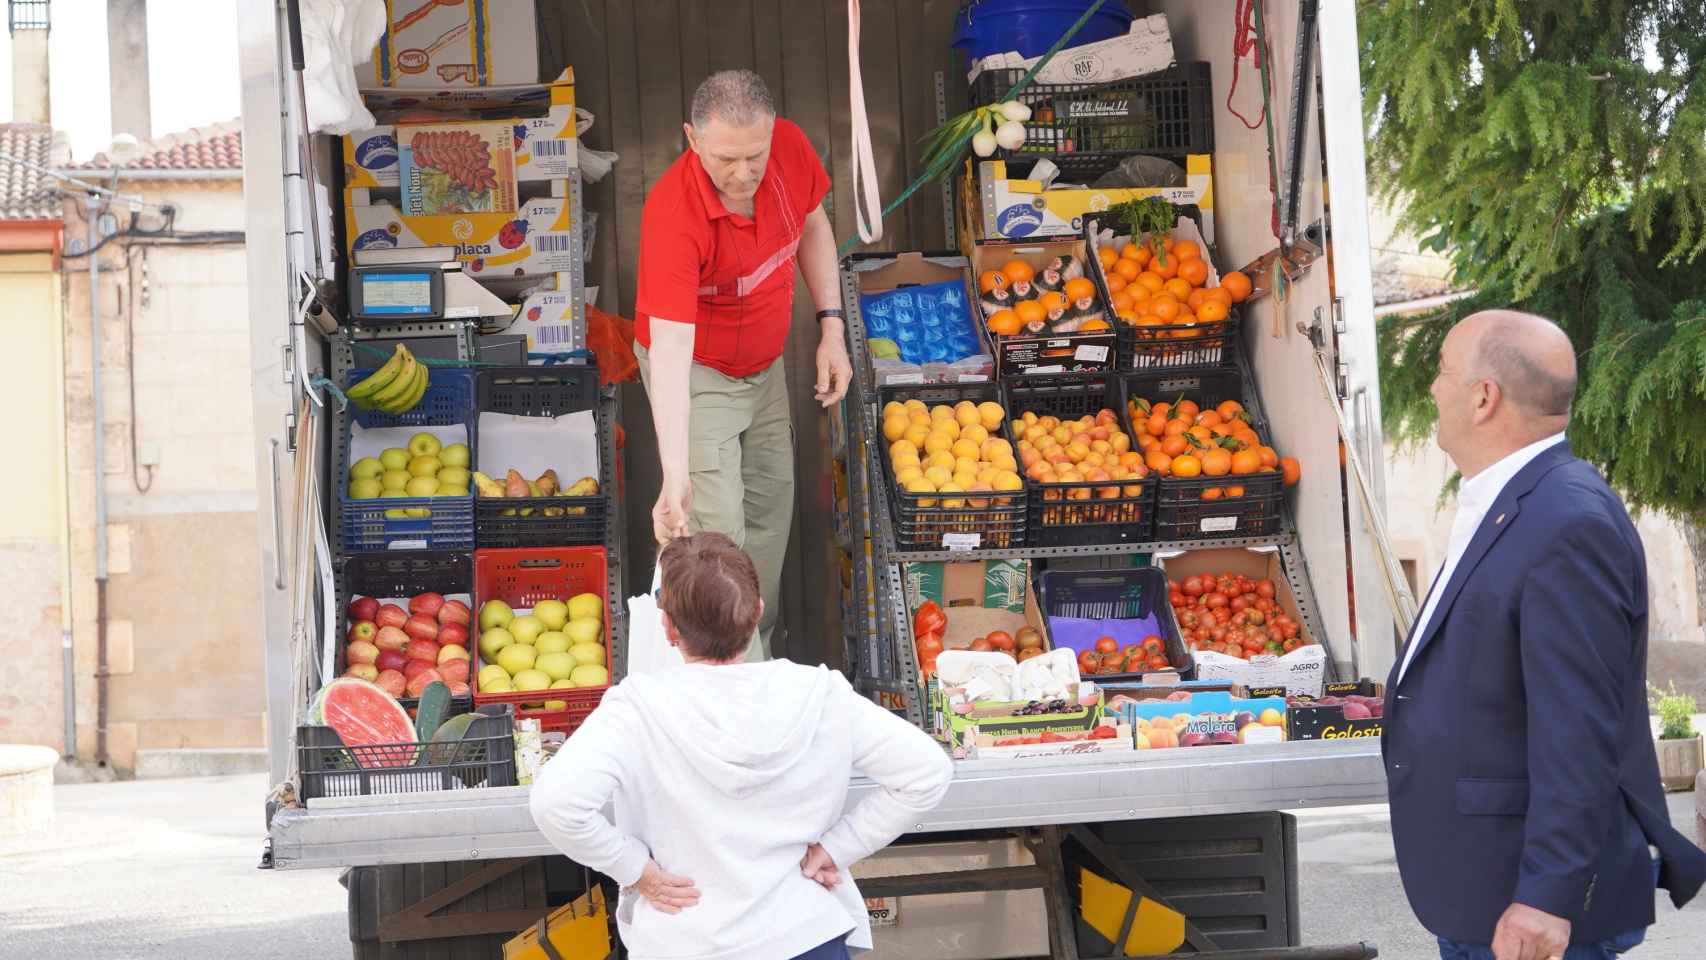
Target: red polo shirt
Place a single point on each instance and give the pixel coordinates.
(731, 275)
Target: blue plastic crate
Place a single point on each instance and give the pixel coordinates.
(362, 524)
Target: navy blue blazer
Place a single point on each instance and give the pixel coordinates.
(1520, 763)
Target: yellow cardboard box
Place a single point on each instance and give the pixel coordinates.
(540, 238)
(1016, 209)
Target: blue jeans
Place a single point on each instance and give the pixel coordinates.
(837, 950)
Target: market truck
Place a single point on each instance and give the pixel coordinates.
(1169, 775)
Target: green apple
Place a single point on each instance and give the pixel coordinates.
(553, 613)
(551, 641)
(490, 672)
(365, 488)
(497, 685)
(395, 479)
(516, 657)
(495, 613)
(532, 680)
(526, 629)
(418, 513)
(394, 458)
(455, 455)
(396, 514)
(557, 666)
(421, 487)
(493, 642)
(366, 468)
(563, 684)
(426, 466)
(455, 476)
(587, 654)
(450, 490)
(586, 606)
(590, 676)
(584, 631)
(556, 704)
(424, 445)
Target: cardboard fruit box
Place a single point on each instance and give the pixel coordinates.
(1300, 672)
(1026, 354)
(881, 273)
(1324, 718)
(1010, 205)
(1208, 718)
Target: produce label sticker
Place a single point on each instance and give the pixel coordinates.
(961, 541)
(1004, 585)
(407, 545)
(903, 379)
(974, 378)
(884, 911)
(457, 168)
(1219, 524)
(1093, 354)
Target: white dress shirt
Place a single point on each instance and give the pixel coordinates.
(1474, 499)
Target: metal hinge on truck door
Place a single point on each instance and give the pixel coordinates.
(1266, 270)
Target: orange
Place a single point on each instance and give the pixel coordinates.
(1017, 270)
(1005, 323)
(1202, 433)
(1212, 493)
(1193, 270)
(1222, 294)
(1169, 243)
(1031, 311)
(1116, 283)
(1094, 323)
(1151, 281)
(1211, 311)
(1156, 425)
(1179, 287)
(1122, 301)
(1209, 419)
(1270, 459)
(1127, 269)
(1198, 297)
(1175, 444)
(1160, 410)
(1139, 300)
(1165, 271)
(1132, 251)
(1235, 491)
(1167, 310)
(1053, 300)
(1186, 249)
(1216, 462)
(1229, 409)
(1080, 288)
(1127, 315)
(1187, 466)
(1236, 284)
(1175, 428)
(1187, 410)
(990, 280)
(1246, 461)
(1158, 462)
(1107, 256)
(1291, 470)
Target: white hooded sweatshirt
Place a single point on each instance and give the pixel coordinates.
(724, 775)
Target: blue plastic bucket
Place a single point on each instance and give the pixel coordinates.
(984, 27)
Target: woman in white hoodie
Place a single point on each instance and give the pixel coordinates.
(729, 782)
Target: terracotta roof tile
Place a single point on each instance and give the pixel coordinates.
(218, 146)
(27, 194)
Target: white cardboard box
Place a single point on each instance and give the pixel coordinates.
(1146, 48)
(454, 43)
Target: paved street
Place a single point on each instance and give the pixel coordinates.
(165, 870)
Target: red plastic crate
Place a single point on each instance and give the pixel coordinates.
(523, 576)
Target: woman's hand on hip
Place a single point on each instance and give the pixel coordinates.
(666, 892)
(820, 866)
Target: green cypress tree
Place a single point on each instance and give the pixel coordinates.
(1556, 150)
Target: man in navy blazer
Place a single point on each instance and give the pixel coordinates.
(1526, 807)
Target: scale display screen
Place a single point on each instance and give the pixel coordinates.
(397, 294)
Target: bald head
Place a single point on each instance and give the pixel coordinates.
(1527, 355)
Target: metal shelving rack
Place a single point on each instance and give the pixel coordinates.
(882, 659)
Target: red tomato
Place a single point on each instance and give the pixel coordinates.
(981, 645)
(1193, 587)
(1001, 640)
(1158, 663)
(1265, 589)
(1238, 603)
(1152, 645)
(1107, 645)
(1103, 733)
(1214, 601)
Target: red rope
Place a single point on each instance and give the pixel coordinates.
(1244, 45)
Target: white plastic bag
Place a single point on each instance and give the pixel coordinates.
(337, 35)
(649, 650)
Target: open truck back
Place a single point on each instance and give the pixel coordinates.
(1022, 826)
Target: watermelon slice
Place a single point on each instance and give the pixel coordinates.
(364, 715)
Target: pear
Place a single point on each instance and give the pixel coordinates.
(547, 483)
(515, 486)
(487, 486)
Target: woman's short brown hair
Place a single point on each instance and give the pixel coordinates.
(710, 591)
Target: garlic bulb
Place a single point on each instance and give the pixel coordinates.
(983, 143)
(1010, 135)
(1014, 110)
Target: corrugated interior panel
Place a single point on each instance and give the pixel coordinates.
(636, 65)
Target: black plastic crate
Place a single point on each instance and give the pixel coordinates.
(1087, 129)
(1123, 593)
(370, 525)
(1166, 346)
(404, 575)
(483, 758)
(554, 521)
(1091, 512)
(920, 522)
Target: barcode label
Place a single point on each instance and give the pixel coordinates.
(551, 148)
(555, 333)
(406, 545)
(1219, 524)
(961, 541)
(1090, 353)
(555, 242)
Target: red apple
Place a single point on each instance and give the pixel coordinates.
(454, 611)
(420, 681)
(391, 660)
(363, 671)
(390, 638)
(453, 670)
(421, 628)
(361, 652)
(414, 668)
(391, 615)
(363, 608)
(362, 630)
(422, 650)
(453, 633)
(458, 688)
(426, 604)
(392, 682)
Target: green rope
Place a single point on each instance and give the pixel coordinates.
(935, 171)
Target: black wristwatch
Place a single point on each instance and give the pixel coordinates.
(831, 312)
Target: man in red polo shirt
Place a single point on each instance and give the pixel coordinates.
(721, 231)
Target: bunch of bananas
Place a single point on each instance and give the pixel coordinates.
(517, 486)
(395, 387)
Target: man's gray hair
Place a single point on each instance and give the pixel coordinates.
(736, 97)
